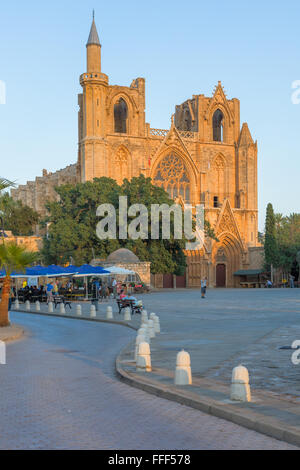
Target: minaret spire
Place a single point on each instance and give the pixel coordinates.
(93, 37)
(93, 49)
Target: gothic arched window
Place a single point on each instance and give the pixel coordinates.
(171, 174)
(218, 125)
(120, 116)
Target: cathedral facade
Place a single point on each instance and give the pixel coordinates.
(206, 156)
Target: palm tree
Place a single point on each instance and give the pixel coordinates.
(4, 184)
(13, 257)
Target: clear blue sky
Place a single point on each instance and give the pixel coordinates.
(181, 48)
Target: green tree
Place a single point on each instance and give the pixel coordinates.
(271, 248)
(18, 218)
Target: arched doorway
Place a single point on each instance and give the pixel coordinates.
(221, 275)
(227, 257)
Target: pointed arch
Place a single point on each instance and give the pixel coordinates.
(217, 180)
(115, 97)
(122, 163)
(228, 251)
(172, 172)
(218, 125)
(120, 116)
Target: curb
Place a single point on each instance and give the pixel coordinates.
(249, 420)
(77, 317)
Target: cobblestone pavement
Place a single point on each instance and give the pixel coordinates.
(58, 391)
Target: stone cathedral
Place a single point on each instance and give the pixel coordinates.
(205, 157)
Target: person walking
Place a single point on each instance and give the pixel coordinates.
(203, 287)
(292, 281)
(95, 293)
(49, 291)
(114, 287)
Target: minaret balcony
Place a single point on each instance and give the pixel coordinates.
(94, 77)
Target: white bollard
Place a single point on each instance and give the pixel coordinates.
(108, 309)
(240, 388)
(27, 305)
(93, 311)
(143, 361)
(37, 306)
(50, 307)
(144, 315)
(62, 308)
(151, 329)
(127, 314)
(2, 352)
(16, 305)
(109, 313)
(183, 373)
(78, 310)
(156, 324)
(144, 332)
(139, 339)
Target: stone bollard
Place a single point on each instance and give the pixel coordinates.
(78, 310)
(144, 315)
(143, 360)
(27, 305)
(127, 314)
(37, 306)
(144, 332)
(109, 313)
(156, 324)
(151, 329)
(183, 373)
(62, 308)
(50, 307)
(139, 339)
(240, 388)
(93, 313)
(16, 305)
(2, 352)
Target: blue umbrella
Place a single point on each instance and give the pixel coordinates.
(88, 270)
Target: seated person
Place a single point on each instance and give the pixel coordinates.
(122, 295)
(136, 303)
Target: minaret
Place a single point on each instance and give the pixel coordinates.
(92, 113)
(93, 50)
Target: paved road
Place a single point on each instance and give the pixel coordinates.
(58, 391)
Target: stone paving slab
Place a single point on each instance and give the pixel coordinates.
(278, 418)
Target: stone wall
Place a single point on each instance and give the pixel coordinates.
(36, 193)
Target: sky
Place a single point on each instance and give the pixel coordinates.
(181, 48)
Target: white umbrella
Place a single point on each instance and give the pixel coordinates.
(118, 270)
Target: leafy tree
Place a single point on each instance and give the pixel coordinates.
(12, 257)
(18, 218)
